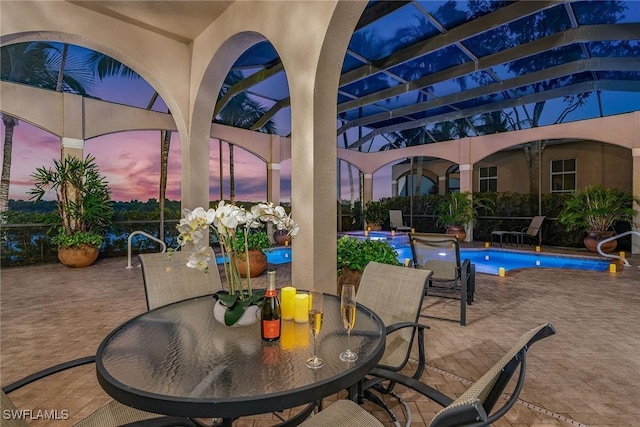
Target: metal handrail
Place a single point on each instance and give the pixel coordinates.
(162, 244)
(609, 239)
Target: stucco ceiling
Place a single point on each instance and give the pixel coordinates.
(180, 20)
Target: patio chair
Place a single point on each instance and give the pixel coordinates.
(396, 221)
(474, 407)
(532, 231)
(167, 279)
(395, 294)
(112, 414)
(452, 277)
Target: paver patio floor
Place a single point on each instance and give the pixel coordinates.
(586, 374)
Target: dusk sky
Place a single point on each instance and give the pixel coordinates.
(131, 160)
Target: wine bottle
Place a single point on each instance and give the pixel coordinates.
(270, 325)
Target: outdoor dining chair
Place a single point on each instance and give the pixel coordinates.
(395, 294)
(452, 277)
(167, 279)
(474, 407)
(396, 221)
(112, 414)
(532, 231)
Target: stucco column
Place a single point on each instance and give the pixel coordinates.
(442, 184)
(466, 184)
(71, 147)
(367, 188)
(635, 240)
(273, 183)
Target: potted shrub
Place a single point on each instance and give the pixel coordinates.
(256, 242)
(374, 215)
(84, 209)
(595, 209)
(353, 256)
(457, 210)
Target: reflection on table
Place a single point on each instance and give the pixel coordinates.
(178, 360)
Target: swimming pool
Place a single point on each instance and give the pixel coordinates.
(487, 261)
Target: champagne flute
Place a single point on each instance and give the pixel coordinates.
(348, 313)
(316, 310)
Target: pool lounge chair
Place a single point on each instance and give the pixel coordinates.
(396, 221)
(532, 231)
(452, 277)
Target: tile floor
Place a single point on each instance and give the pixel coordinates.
(585, 375)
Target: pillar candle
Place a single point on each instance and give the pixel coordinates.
(407, 261)
(286, 242)
(612, 268)
(501, 272)
(486, 244)
(413, 230)
(301, 313)
(537, 248)
(287, 302)
(622, 254)
(366, 232)
(393, 232)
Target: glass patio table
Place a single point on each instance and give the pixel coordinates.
(178, 360)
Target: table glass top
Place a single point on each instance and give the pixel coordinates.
(181, 351)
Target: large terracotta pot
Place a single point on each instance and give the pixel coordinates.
(458, 230)
(74, 257)
(257, 263)
(594, 237)
(349, 277)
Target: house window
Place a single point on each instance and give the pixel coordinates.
(489, 178)
(563, 175)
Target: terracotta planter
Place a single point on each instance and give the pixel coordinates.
(373, 227)
(458, 230)
(349, 277)
(80, 257)
(594, 237)
(280, 237)
(257, 263)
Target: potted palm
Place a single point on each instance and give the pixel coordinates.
(457, 210)
(84, 209)
(374, 215)
(253, 246)
(595, 209)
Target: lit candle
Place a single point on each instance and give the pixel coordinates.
(287, 302)
(407, 261)
(537, 248)
(301, 313)
(413, 230)
(366, 232)
(612, 268)
(487, 244)
(286, 242)
(622, 254)
(501, 272)
(368, 228)
(393, 232)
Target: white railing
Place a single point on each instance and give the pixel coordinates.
(162, 244)
(609, 239)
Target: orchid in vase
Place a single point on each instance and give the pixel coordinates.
(229, 221)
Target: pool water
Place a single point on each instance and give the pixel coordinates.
(487, 261)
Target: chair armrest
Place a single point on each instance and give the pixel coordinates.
(402, 325)
(414, 384)
(162, 422)
(48, 371)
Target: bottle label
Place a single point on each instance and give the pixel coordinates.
(271, 328)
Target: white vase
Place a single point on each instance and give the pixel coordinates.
(251, 315)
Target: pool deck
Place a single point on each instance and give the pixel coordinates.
(585, 375)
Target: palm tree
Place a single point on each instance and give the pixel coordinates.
(36, 64)
(243, 112)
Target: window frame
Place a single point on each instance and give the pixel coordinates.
(563, 174)
(489, 178)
